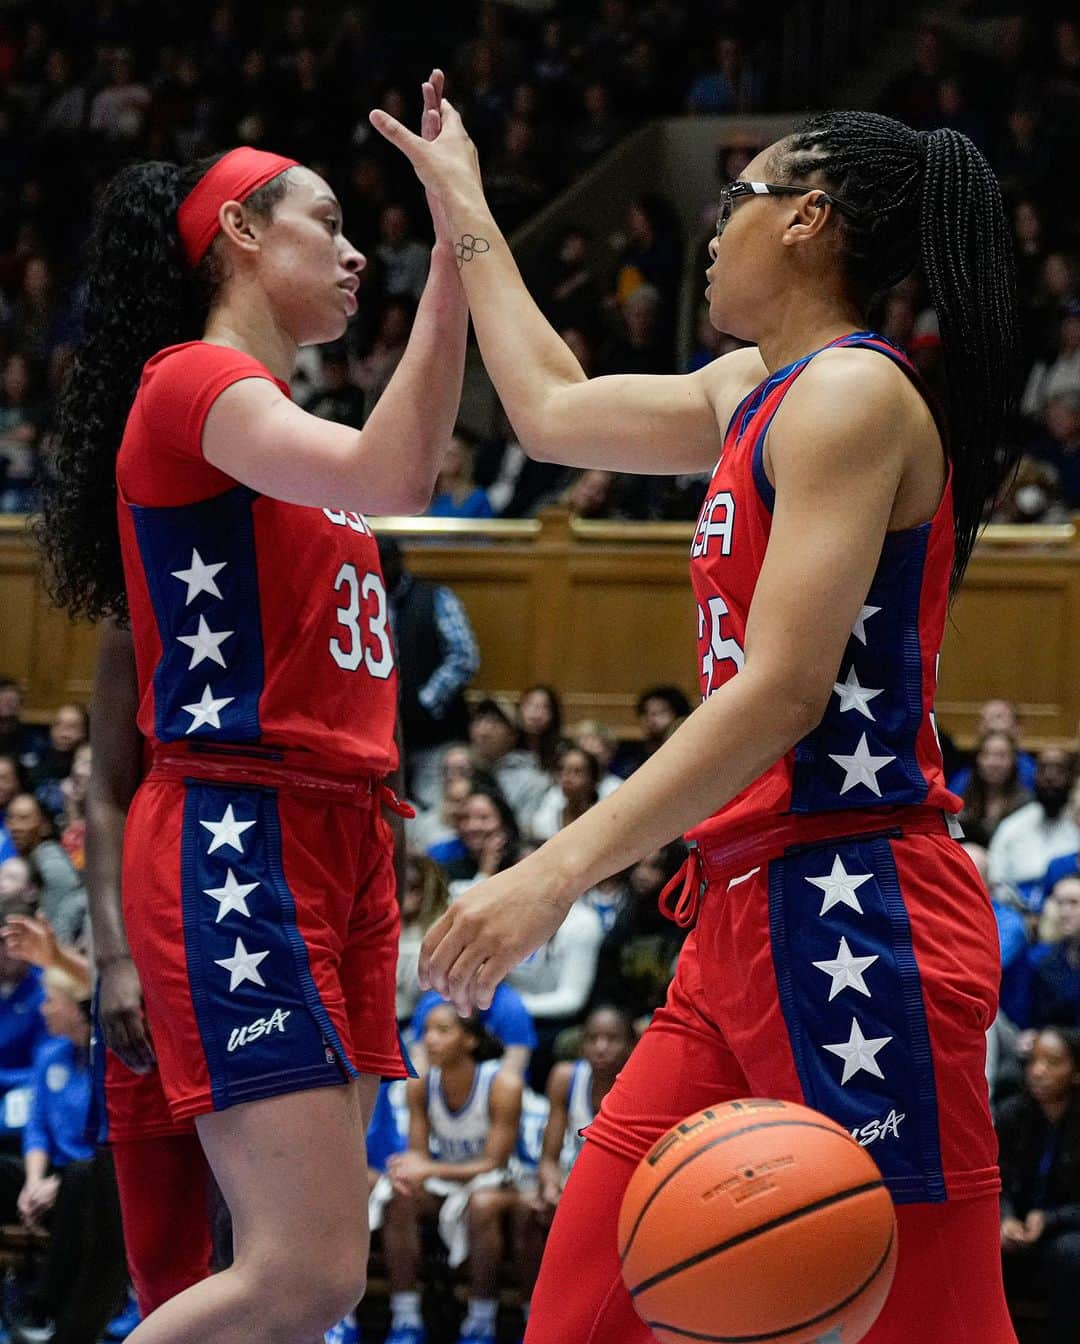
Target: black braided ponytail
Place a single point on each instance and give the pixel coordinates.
(140, 297)
(930, 198)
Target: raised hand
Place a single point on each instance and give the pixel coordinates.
(444, 163)
(430, 126)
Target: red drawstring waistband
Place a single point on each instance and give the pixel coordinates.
(684, 910)
(721, 859)
(389, 799)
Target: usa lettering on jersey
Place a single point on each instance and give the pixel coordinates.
(717, 522)
(262, 1026)
(874, 1130)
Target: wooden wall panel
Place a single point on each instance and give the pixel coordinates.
(603, 610)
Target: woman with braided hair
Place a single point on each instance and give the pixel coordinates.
(844, 953)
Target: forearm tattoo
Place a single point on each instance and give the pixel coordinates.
(469, 247)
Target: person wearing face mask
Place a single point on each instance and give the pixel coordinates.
(1025, 842)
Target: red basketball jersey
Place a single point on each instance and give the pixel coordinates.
(877, 743)
(255, 622)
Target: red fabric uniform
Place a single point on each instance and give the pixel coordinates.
(846, 954)
(258, 891)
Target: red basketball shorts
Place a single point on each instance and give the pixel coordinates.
(262, 916)
(857, 975)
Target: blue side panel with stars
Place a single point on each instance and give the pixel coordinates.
(863, 752)
(202, 575)
(851, 995)
(264, 1027)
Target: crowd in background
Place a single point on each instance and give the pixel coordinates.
(85, 88)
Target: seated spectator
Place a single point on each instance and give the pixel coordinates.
(65, 1185)
(493, 737)
(539, 716)
(374, 371)
(437, 830)
(640, 343)
(514, 179)
(63, 900)
(1033, 494)
(22, 742)
(423, 900)
(402, 256)
(456, 493)
(576, 789)
(437, 658)
(608, 898)
(1055, 984)
(554, 982)
(334, 397)
(464, 1113)
(999, 716)
(72, 821)
(598, 739)
(994, 790)
(1050, 378)
(492, 840)
(588, 494)
(507, 1019)
(636, 961)
(597, 131)
(730, 85)
(11, 783)
(659, 712)
(1039, 1155)
(20, 429)
(1012, 929)
(568, 291)
(575, 1091)
(1058, 447)
(21, 1032)
(70, 727)
(1025, 842)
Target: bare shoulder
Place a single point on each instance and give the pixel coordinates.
(558, 1088)
(730, 378)
(857, 385)
(506, 1086)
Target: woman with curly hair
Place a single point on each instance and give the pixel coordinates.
(258, 891)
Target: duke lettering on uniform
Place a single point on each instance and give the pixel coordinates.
(262, 1026)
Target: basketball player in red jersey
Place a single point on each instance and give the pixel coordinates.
(259, 900)
(844, 954)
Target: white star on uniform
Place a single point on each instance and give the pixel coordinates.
(839, 887)
(199, 578)
(227, 831)
(243, 965)
(205, 643)
(846, 971)
(207, 710)
(232, 896)
(854, 696)
(861, 767)
(858, 1053)
(859, 630)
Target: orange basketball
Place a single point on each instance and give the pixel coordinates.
(758, 1221)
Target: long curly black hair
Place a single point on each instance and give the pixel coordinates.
(140, 296)
(930, 199)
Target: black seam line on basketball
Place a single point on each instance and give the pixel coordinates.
(751, 1233)
(780, 1121)
(788, 1329)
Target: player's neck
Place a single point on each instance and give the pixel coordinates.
(804, 324)
(249, 325)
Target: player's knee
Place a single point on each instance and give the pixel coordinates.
(484, 1208)
(312, 1294)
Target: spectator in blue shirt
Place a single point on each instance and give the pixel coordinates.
(456, 493)
(1055, 985)
(507, 1019)
(66, 1186)
(21, 1032)
(1000, 716)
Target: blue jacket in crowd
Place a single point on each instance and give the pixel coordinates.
(60, 1103)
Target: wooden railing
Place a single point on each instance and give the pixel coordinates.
(603, 609)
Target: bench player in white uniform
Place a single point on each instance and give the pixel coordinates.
(464, 1114)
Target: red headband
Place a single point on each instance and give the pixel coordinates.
(232, 178)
